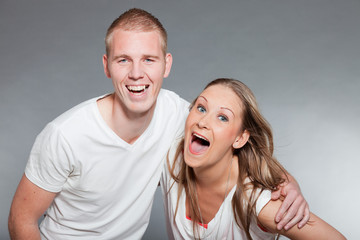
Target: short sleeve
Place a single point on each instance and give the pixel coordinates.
(263, 199)
(50, 160)
(169, 159)
(183, 113)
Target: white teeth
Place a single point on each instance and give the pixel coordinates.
(136, 88)
(200, 137)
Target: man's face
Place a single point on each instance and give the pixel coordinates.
(137, 65)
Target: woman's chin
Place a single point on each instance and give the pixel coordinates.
(192, 162)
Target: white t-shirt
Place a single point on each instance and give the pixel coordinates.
(105, 185)
(222, 226)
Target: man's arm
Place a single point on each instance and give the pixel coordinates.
(294, 209)
(29, 203)
(316, 228)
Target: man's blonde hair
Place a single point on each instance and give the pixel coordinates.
(136, 19)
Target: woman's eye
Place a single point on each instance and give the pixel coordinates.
(223, 118)
(201, 108)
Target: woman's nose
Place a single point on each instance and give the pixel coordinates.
(203, 122)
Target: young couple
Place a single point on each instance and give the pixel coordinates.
(94, 169)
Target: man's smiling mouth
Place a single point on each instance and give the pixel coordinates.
(137, 89)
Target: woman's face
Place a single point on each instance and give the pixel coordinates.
(213, 128)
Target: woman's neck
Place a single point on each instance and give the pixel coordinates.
(212, 187)
(215, 177)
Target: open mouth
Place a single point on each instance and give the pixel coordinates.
(198, 144)
(137, 90)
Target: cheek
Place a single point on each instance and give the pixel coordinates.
(118, 72)
(191, 120)
(187, 127)
(156, 73)
(226, 135)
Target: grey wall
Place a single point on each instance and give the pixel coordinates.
(300, 57)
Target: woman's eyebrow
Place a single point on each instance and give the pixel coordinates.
(229, 110)
(203, 98)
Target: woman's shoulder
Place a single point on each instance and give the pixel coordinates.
(258, 196)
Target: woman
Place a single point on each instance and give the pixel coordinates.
(219, 177)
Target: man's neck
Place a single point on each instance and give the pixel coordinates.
(126, 124)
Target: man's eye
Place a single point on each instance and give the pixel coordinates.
(148, 60)
(201, 108)
(122, 61)
(223, 118)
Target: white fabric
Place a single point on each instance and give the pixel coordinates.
(222, 226)
(105, 185)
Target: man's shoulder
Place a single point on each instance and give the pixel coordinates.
(168, 96)
(84, 111)
(171, 105)
(168, 93)
(71, 128)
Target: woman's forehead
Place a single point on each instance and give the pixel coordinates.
(221, 96)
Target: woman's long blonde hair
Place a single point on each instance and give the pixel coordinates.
(255, 158)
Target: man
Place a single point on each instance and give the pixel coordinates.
(95, 168)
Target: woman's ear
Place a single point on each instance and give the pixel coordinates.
(241, 140)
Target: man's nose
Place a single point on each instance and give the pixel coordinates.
(136, 71)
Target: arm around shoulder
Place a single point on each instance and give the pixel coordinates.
(316, 228)
(29, 203)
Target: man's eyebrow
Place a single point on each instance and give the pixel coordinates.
(151, 56)
(128, 57)
(121, 56)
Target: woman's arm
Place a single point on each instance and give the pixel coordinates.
(316, 228)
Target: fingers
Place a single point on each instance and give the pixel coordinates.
(306, 216)
(275, 195)
(288, 201)
(297, 213)
(294, 209)
(297, 218)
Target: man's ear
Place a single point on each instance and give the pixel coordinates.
(241, 140)
(168, 63)
(106, 66)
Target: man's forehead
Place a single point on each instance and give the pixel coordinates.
(134, 41)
